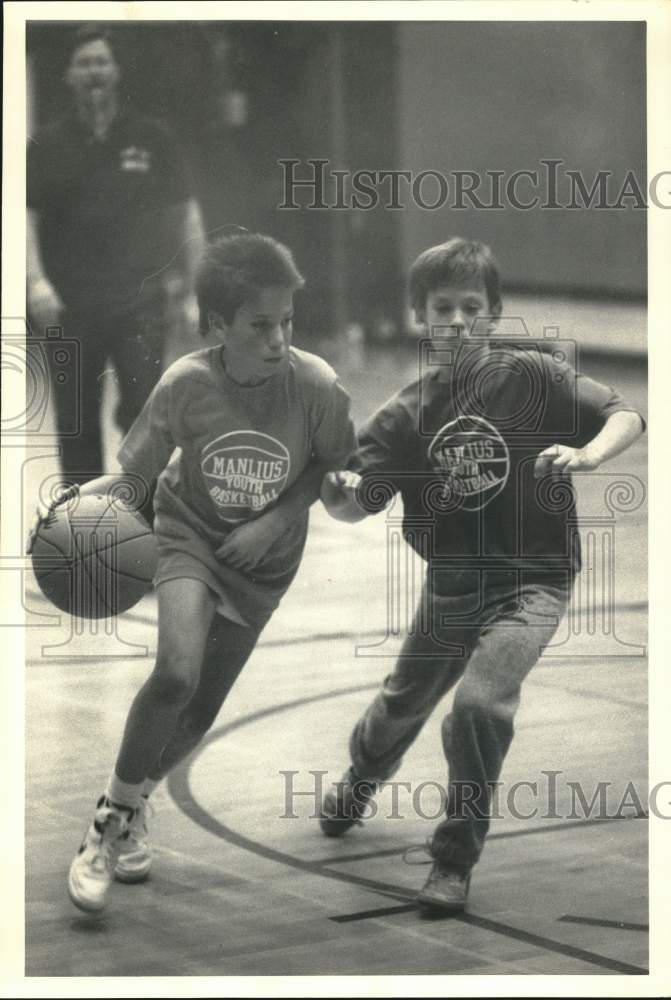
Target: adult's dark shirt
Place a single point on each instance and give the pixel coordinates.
(463, 458)
(108, 218)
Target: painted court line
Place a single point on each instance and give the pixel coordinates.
(389, 852)
(179, 787)
(622, 925)
(307, 638)
(384, 911)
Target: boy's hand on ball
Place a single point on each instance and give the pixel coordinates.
(559, 458)
(44, 513)
(247, 544)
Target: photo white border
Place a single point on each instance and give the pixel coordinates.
(657, 15)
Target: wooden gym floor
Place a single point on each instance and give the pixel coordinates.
(244, 883)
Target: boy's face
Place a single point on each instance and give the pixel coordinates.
(457, 311)
(458, 314)
(256, 343)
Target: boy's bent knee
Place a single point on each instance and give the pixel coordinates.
(412, 693)
(475, 701)
(171, 684)
(193, 724)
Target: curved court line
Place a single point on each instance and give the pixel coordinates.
(179, 787)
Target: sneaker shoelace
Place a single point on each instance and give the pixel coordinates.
(109, 826)
(418, 854)
(138, 829)
(134, 848)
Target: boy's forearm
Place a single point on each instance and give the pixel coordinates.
(103, 484)
(303, 492)
(125, 485)
(618, 433)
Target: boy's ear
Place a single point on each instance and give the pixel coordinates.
(420, 317)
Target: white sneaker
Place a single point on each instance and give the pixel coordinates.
(135, 855)
(92, 870)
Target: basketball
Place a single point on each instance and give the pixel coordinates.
(95, 557)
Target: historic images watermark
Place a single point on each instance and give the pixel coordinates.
(550, 796)
(317, 185)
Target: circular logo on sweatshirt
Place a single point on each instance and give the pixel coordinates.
(244, 471)
(473, 459)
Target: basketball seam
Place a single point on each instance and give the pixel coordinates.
(108, 548)
(121, 541)
(100, 600)
(52, 545)
(67, 568)
(116, 570)
(146, 530)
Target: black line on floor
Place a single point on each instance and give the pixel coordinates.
(299, 640)
(384, 911)
(307, 638)
(598, 695)
(343, 859)
(613, 964)
(179, 787)
(503, 835)
(622, 925)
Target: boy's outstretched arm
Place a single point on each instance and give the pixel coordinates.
(621, 429)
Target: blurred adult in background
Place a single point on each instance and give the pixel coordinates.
(114, 236)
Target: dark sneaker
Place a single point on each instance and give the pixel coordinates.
(346, 804)
(445, 890)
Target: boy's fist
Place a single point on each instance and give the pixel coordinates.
(339, 495)
(559, 458)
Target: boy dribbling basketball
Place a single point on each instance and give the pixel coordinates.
(474, 447)
(238, 438)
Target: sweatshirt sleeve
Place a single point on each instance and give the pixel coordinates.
(579, 406)
(150, 442)
(334, 438)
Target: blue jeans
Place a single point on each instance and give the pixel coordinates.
(486, 638)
